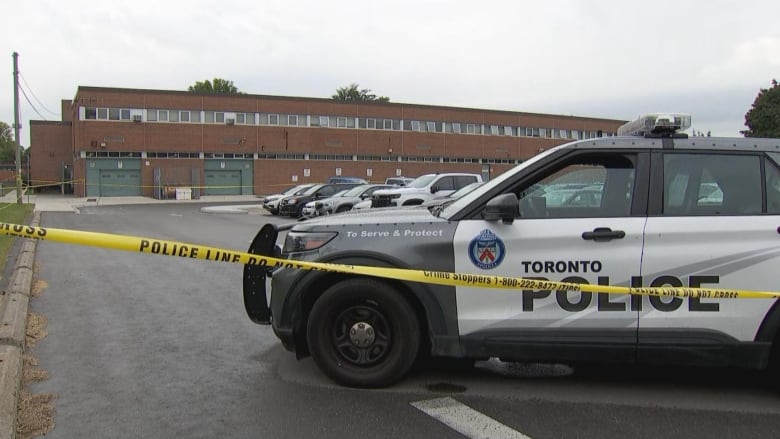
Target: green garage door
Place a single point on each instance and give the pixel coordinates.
(223, 183)
(115, 183)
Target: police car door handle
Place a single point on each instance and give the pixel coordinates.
(600, 234)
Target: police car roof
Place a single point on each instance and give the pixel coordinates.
(701, 143)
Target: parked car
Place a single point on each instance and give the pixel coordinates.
(343, 203)
(293, 205)
(422, 189)
(442, 201)
(271, 202)
(362, 205)
(356, 180)
(704, 250)
(310, 209)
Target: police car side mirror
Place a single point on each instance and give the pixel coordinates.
(503, 207)
(434, 189)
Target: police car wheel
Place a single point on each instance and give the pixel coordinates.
(362, 333)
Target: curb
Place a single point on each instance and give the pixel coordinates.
(13, 328)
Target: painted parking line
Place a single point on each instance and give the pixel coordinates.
(465, 420)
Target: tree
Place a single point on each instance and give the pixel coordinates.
(353, 93)
(7, 144)
(219, 86)
(763, 118)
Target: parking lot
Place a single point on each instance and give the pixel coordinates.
(145, 346)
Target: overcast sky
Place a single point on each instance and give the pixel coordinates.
(598, 58)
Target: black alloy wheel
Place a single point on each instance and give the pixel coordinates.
(363, 333)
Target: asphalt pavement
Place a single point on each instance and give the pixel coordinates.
(14, 300)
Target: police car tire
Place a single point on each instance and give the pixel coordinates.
(394, 323)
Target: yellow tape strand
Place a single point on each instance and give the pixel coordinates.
(195, 251)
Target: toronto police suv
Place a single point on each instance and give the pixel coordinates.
(649, 207)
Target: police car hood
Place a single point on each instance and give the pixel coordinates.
(374, 216)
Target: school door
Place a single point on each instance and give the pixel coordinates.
(119, 183)
(223, 182)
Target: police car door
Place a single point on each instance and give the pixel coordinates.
(712, 226)
(580, 220)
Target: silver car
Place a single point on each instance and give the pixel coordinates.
(345, 202)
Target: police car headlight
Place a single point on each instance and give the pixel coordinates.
(291, 201)
(306, 241)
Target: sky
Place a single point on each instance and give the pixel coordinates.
(613, 59)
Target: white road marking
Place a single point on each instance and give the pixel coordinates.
(465, 420)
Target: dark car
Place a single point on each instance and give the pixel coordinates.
(293, 205)
(357, 180)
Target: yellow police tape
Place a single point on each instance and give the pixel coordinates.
(194, 251)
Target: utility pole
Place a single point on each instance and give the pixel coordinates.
(16, 131)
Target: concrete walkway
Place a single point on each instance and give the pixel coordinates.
(69, 203)
(15, 299)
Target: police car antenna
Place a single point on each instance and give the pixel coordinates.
(657, 125)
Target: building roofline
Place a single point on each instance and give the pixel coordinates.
(49, 122)
(331, 101)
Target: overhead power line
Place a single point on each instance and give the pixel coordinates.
(36, 97)
(31, 104)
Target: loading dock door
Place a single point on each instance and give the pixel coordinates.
(223, 183)
(115, 183)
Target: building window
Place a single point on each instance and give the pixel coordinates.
(173, 116)
(430, 127)
(162, 115)
(563, 134)
(209, 117)
(273, 119)
(341, 122)
(575, 134)
(509, 131)
(219, 117)
(184, 116)
(415, 125)
(241, 118)
(542, 132)
(494, 130)
(102, 113)
(292, 119)
(323, 121)
(113, 114)
(371, 124)
(471, 128)
(456, 128)
(124, 114)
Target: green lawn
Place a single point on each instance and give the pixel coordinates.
(15, 214)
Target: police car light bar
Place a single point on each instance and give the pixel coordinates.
(656, 125)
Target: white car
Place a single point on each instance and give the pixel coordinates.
(362, 205)
(496, 270)
(310, 208)
(423, 188)
(346, 201)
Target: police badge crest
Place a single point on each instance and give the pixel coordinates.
(486, 250)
